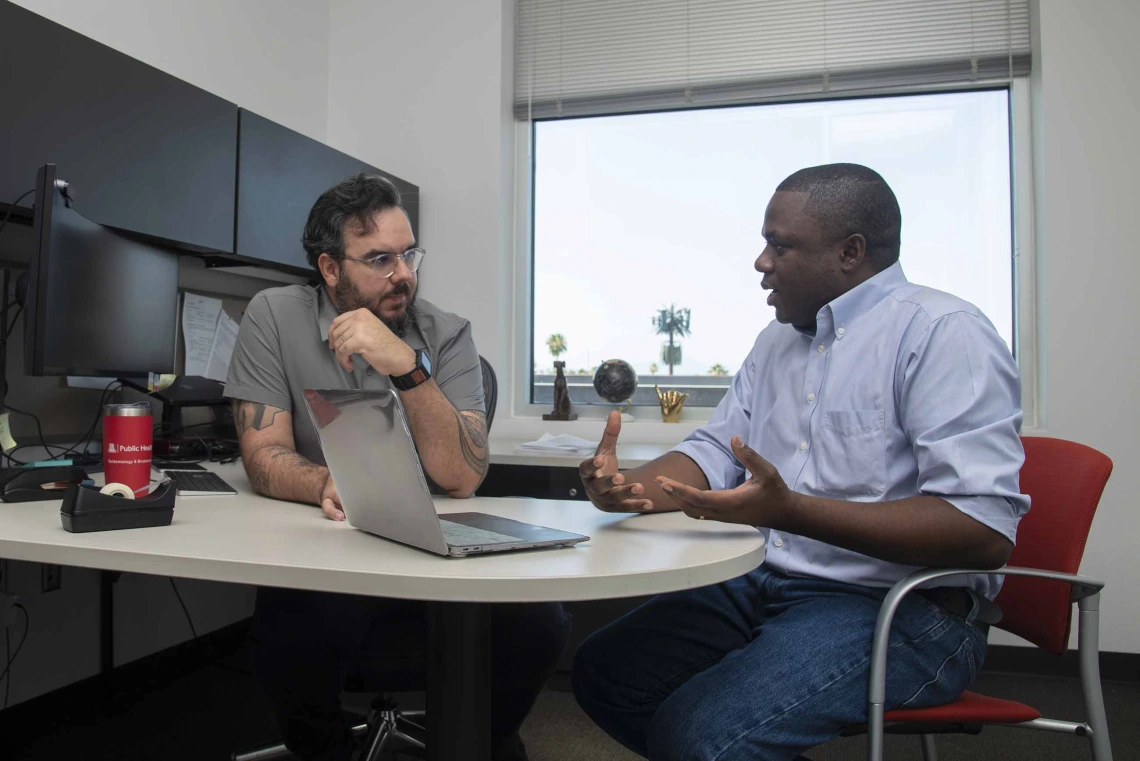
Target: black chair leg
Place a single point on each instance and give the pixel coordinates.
(386, 722)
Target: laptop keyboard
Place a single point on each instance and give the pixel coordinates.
(194, 483)
(459, 535)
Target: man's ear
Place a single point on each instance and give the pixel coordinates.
(330, 269)
(853, 252)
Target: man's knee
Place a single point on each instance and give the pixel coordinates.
(528, 641)
(550, 630)
(683, 728)
(583, 680)
(594, 665)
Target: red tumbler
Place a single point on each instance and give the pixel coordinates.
(127, 444)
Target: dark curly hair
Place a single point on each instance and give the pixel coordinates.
(354, 200)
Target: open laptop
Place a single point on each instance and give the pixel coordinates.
(369, 450)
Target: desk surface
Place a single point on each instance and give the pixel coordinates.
(503, 452)
(249, 539)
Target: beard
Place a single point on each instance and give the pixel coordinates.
(347, 297)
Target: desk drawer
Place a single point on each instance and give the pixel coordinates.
(542, 481)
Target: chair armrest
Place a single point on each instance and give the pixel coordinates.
(1086, 591)
(1083, 586)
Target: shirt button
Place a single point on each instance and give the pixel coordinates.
(811, 397)
(821, 348)
(368, 371)
(803, 445)
(839, 332)
(779, 542)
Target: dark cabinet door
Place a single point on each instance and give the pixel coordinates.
(532, 481)
(143, 151)
(280, 175)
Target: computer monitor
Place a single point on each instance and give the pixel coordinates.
(98, 302)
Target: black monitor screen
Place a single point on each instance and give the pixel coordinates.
(99, 303)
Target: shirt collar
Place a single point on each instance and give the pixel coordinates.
(844, 310)
(326, 313)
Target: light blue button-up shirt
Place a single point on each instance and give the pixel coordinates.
(903, 390)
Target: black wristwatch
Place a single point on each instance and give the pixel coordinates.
(418, 375)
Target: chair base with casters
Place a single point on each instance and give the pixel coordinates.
(387, 728)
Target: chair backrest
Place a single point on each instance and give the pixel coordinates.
(1064, 480)
(490, 389)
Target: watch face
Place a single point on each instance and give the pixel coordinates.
(425, 361)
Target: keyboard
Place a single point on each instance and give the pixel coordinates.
(458, 535)
(194, 483)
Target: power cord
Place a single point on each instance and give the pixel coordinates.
(212, 450)
(11, 657)
(16, 316)
(13, 206)
(79, 450)
(89, 436)
(215, 659)
(39, 429)
(189, 620)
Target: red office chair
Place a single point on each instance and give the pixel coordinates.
(1064, 481)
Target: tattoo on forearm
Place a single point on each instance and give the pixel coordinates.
(473, 440)
(255, 416)
(274, 470)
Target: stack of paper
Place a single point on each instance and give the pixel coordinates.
(560, 443)
(210, 336)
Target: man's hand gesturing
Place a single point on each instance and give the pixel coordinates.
(605, 486)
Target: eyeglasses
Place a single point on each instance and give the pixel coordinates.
(385, 265)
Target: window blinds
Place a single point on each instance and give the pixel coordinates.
(588, 57)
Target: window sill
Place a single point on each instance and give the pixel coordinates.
(643, 431)
(529, 428)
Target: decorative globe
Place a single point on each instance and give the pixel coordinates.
(615, 380)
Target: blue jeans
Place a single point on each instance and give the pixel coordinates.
(764, 666)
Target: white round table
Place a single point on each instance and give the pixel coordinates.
(249, 539)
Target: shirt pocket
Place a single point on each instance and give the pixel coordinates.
(852, 453)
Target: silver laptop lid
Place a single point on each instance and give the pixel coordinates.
(369, 450)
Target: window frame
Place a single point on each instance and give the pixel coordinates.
(1026, 327)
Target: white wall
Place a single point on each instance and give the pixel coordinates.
(420, 90)
(1087, 106)
(270, 56)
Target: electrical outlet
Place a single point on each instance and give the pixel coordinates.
(51, 578)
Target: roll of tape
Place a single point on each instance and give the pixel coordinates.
(118, 490)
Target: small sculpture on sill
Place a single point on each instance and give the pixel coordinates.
(671, 402)
(561, 396)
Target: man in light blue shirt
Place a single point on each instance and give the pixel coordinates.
(872, 429)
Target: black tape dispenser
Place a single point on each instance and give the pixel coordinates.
(87, 508)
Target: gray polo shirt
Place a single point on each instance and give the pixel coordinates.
(282, 349)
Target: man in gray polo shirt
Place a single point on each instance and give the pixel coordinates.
(364, 328)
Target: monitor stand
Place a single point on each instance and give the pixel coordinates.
(186, 391)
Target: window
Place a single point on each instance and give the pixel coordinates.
(637, 213)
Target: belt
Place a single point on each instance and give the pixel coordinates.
(959, 601)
